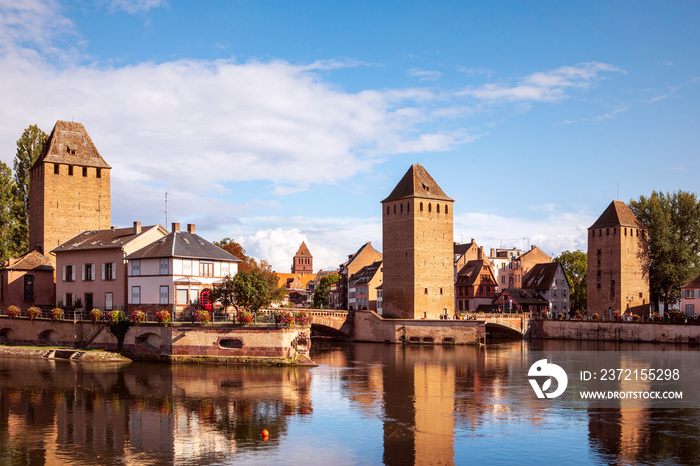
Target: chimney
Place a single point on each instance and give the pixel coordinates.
(480, 253)
(493, 252)
(176, 227)
(532, 247)
(137, 228)
(190, 227)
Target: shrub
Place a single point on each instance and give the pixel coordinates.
(138, 317)
(245, 317)
(636, 318)
(164, 317)
(596, 316)
(12, 311)
(96, 315)
(202, 316)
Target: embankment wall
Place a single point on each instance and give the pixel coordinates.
(370, 326)
(615, 331)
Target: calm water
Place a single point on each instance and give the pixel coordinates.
(364, 404)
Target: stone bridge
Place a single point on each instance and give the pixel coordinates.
(328, 322)
(504, 324)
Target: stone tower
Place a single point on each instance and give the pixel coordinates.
(303, 260)
(618, 258)
(69, 190)
(418, 249)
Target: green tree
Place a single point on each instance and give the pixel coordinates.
(29, 147)
(672, 221)
(321, 293)
(252, 290)
(6, 217)
(575, 266)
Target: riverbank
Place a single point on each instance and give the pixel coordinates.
(41, 352)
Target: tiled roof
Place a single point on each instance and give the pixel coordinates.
(33, 260)
(540, 276)
(417, 182)
(114, 238)
(461, 249)
(617, 214)
(303, 251)
(694, 283)
(471, 271)
(70, 144)
(183, 244)
(366, 273)
(283, 278)
(524, 296)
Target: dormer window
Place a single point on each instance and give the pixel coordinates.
(72, 150)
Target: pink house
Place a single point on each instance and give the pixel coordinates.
(27, 281)
(690, 298)
(91, 270)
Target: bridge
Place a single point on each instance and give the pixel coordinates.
(504, 324)
(327, 322)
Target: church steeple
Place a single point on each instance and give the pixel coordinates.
(303, 260)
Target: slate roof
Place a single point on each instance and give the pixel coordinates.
(417, 182)
(34, 261)
(366, 273)
(114, 238)
(66, 137)
(183, 244)
(617, 214)
(303, 251)
(472, 270)
(523, 296)
(541, 276)
(461, 249)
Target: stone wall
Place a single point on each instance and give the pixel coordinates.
(615, 331)
(179, 342)
(371, 327)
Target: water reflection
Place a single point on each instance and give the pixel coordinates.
(365, 403)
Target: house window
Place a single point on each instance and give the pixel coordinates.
(182, 296)
(109, 301)
(187, 266)
(164, 269)
(84, 172)
(206, 269)
(164, 294)
(29, 287)
(56, 169)
(70, 170)
(224, 269)
(135, 295)
(689, 310)
(68, 273)
(109, 271)
(136, 268)
(690, 294)
(88, 272)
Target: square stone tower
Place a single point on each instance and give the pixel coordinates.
(303, 262)
(417, 231)
(618, 262)
(69, 191)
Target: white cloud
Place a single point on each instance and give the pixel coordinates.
(542, 86)
(424, 75)
(604, 116)
(134, 6)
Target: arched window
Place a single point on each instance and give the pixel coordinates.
(438, 208)
(421, 207)
(430, 207)
(394, 208)
(387, 210)
(446, 210)
(401, 208)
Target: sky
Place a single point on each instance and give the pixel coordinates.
(277, 122)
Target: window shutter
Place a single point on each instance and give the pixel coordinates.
(114, 271)
(72, 274)
(92, 272)
(63, 277)
(82, 272)
(103, 271)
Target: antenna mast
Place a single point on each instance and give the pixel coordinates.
(166, 210)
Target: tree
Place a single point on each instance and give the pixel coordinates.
(672, 221)
(321, 293)
(29, 147)
(232, 247)
(253, 290)
(6, 218)
(575, 266)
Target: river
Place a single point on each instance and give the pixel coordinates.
(364, 404)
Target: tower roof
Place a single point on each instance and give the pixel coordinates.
(617, 214)
(70, 144)
(303, 251)
(417, 182)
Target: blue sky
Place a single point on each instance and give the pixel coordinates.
(274, 122)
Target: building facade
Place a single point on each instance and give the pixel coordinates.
(343, 295)
(475, 286)
(27, 281)
(690, 298)
(618, 263)
(417, 232)
(69, 190)
(511, 273)
(551, 283)
(303, 262)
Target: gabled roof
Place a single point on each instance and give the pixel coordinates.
(114, 238)
(183, 244)
(417, 182)
(366, 273)
(541, 276)
(352, 257)
(461, 249)
(70, 144)
(617, 214)
(33, 260)
(303, 251)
